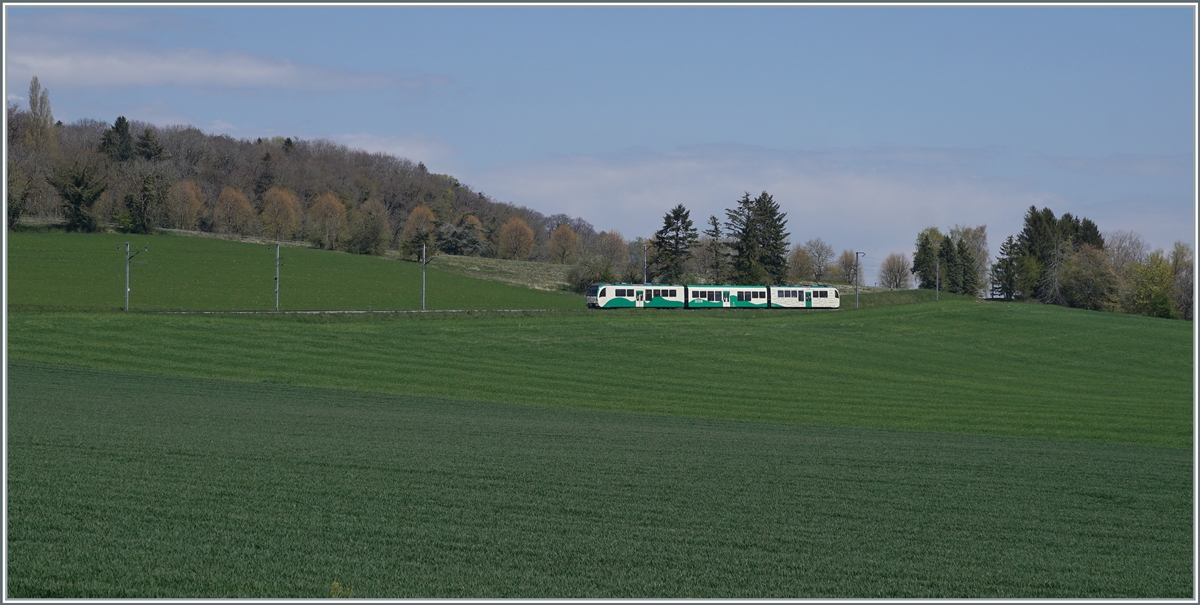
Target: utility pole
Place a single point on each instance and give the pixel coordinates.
(937, 280)
(644, 264)
(424, 262)
(129, 257)
(276, 277)
(857, 272)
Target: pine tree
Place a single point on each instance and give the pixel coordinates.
(925, 260)
(1004, 272)
(148, 146)
(717, 258)
(674, 244)
(117, 142)
(969, 280)
(759, 244)
(951, 266)
(80, 186)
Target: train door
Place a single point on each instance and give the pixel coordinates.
(641, 298)
(808, 299)
(725, 298)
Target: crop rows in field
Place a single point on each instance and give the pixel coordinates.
(133, 485)
(1017, 370)
(78, 271)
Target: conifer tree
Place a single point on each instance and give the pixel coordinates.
(674, 244)
(117, 142)
(79, 185)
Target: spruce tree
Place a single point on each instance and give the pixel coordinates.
(1004, 272)
(716, 249)
(80, 186)
(969, 280)
(675, 242)
(925, 260)
(951, 266)
(148, 146)
(116, 141)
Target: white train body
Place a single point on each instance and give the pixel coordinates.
(704, 296)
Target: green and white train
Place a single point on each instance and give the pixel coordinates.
(700, 296)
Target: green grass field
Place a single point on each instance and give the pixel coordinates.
(907, 449)
(77, 271)
(126, 485)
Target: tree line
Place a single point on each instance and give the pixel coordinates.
(750, 246)
(136, 177)
(1067, 261)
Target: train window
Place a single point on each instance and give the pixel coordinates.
(673, 294)
(824, 293)
(602, 291)
(836, 295)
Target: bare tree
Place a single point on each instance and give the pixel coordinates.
(800, 265)
(894, 272)
(846, 266)
(1183, 268)
(1125, 249)
(185, 202)
(822, 257)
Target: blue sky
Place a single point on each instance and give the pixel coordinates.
(867, 124)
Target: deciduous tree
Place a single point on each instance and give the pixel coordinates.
(19, 189)
(419, 229)
(1089, 281)
(1152, 285)
(847, 265)
(821, 254)
(281, 213)
(894, 273)
(233, 213)
(564, 245)
(369, 229)
(185, 203)
(39, 127)
(515, 240)
(1183, 268)
(801, 267)
(327, 220)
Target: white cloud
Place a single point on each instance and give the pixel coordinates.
(198, 68)
(874, 201)
(417, 147)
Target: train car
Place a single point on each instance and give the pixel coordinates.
(654, 296)
(705, 296)
(805, 297)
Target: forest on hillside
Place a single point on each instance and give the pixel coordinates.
(137, 177)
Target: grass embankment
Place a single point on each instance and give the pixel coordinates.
(87, 272)
(961, 367)
(126, 485)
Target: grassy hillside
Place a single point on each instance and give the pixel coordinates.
(124, 485)
(954, 366)
(87, 272)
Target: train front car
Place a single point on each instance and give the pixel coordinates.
(616, 296)
(805, 297)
